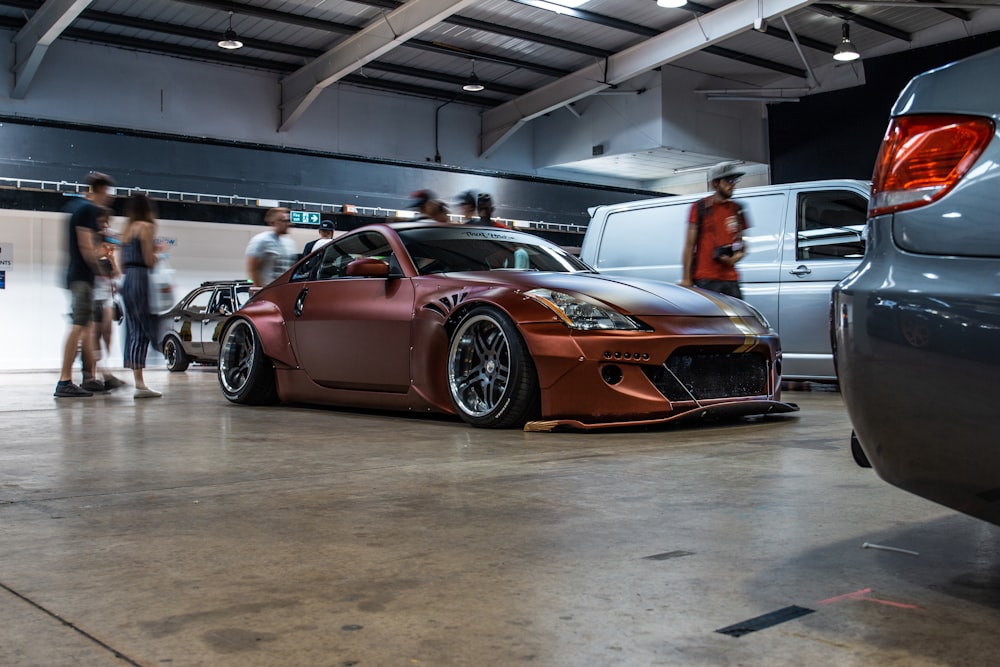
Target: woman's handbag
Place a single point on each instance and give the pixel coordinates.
(161, 286)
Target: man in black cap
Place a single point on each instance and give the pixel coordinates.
(325, 236)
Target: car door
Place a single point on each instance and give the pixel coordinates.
(219, 310)
(352, 332)
(188, 322)
(827, 243)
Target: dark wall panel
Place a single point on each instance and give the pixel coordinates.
(59, 152)
(837, 135)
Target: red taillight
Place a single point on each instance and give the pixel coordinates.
(923, 156)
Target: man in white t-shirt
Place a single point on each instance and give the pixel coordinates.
(271, 253)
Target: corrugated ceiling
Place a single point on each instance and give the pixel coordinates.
(517, 45)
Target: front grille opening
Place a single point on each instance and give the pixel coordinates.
(707, 373)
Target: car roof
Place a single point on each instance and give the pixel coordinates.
(209, 283)
(430, 224)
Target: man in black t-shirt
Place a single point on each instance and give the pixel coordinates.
(83, 227)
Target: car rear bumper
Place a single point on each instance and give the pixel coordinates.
(917, 342)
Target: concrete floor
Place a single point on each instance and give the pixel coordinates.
(189, 531)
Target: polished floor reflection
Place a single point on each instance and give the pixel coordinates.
(188, 531)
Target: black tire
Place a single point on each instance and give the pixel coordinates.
(858, 453)
(246, 375)
(173, 352)
(491, 377)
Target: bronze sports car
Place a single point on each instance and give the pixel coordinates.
(498, 327)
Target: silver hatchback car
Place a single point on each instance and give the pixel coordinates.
(190, 330)
(917, 325)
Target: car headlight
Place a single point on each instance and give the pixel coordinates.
(580, 312)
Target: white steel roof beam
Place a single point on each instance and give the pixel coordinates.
(300, 88)
(501, 122)
(33, 40)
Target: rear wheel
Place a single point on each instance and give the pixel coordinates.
(246, 375)
(173, 352)
(491, 377)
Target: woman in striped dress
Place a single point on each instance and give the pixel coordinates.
(139, 255)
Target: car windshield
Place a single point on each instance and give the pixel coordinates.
(448, 249)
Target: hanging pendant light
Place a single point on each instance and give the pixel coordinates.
(845, 51)
(473, 85)
(230, 40)
(671, 4)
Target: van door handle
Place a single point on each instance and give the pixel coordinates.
(801, 270)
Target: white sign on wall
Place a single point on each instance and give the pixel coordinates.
(6, 255)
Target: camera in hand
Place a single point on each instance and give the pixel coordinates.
(723, 251)
(727, 250)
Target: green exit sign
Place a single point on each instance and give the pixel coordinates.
(305, 218)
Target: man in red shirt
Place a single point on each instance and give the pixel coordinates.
(714, 242)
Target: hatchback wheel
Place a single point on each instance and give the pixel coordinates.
(173, 352)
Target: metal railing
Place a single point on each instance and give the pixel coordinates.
(79, 189)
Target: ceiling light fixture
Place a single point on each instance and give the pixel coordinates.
(671, 4)
(473, 85)
(230, 40)
(845, 51)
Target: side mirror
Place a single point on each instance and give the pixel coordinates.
(368, 267)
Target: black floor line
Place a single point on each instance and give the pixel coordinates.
(72, 626)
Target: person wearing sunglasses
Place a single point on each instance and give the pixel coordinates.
(714, 241)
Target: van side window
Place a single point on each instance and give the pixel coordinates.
(829, 225)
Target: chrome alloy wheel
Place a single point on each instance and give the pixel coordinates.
(479, 365)
(236, 357)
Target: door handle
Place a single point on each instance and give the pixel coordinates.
(299, 301)
(206, 320)
(801, 270)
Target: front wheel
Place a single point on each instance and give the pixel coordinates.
(246, 375)
(173, 353)
(491, 378)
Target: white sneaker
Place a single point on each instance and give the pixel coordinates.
(146, 393)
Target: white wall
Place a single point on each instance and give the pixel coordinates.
(34, 304)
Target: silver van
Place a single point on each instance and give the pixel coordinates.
(803, 238)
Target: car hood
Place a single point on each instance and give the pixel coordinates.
(632, 295)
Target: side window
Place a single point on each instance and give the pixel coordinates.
(242, 293)
(199, 302)
(829, 225)
(223, 303)
(306, 269)
(337, 255)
